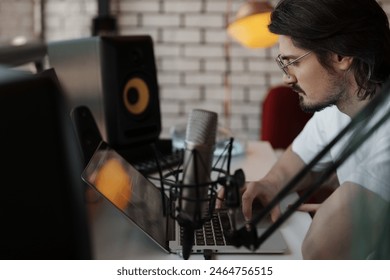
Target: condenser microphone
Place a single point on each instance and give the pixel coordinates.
(197, 165)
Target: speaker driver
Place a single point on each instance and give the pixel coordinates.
(136, 96)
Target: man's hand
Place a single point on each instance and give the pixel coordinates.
(261, 191)
(309, 207)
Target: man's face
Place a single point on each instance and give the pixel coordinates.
(316, 86)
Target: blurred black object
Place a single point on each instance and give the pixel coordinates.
(42, 209)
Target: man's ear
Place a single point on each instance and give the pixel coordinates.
(342, 62)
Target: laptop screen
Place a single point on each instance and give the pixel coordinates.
(129, 191)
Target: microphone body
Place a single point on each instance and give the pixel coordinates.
(198, 159)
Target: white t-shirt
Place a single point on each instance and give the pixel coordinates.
(368, 166)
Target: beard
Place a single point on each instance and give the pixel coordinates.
(316, 107)
(338, 89)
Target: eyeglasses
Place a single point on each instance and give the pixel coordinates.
(283, 66)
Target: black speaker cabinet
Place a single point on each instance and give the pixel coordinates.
(116, 78)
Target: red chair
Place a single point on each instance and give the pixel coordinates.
(282, 118)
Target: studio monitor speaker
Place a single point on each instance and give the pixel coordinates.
(116, 77)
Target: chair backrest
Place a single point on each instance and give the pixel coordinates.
(281, 118)
(42, 207)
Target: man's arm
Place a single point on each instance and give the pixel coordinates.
(346, 226)
(288, 165)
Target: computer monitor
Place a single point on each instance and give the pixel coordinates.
(42, 208)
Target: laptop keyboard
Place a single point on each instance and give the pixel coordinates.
(212, 232)
(166, 161)
(143, 157)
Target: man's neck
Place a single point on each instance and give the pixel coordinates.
(353, 107)
(351, 104)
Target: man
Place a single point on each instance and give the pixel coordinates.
(336, 56)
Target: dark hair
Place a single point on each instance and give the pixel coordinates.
(356, 28)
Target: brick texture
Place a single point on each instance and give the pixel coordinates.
(195, 69)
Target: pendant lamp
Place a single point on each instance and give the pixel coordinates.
(250, 26)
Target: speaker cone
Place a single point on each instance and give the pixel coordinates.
(136, 96)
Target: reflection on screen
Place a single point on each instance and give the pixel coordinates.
(113, 181)
(128, 190)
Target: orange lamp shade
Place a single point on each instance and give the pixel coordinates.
(250, 28)
(252, 31)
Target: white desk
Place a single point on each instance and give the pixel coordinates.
(115, 237)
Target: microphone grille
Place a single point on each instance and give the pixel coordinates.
(202, 127)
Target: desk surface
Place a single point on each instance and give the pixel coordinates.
(115, 237)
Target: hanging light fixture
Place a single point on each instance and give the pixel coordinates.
(250, 26)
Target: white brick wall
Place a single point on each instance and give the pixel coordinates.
(181, 35)
(189, 40)
(69, 18)
(16, 19)
(182, 6)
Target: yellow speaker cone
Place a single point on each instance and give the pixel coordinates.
(137, 87)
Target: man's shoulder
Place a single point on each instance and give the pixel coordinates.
(331, 117)
(331, 111)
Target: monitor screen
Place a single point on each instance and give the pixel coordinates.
(42, 209)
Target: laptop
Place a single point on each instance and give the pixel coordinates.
(144, 204)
